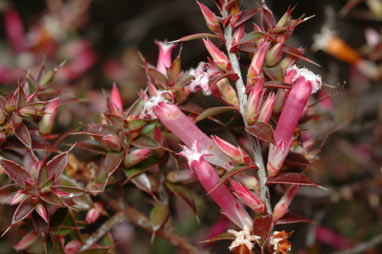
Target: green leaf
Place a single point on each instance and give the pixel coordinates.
(249, 38)
(213, 111)
(275, 73)
(263, 131)
(183, 193)
(145, 142)
(158, 216)
(230, 174)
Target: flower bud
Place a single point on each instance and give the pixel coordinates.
(164, 58)
(47, 121)
(274, 55)
(92, 215)
(254, 101)
(256, 68)
(112, 141)
(210, 18)
(238, 34)
(249, 198)
(267, 109)
(73, 247)
(228, 92)
(116, 102)
(235, 153)
(220, 59)
(10, 105)
(136, 156)
(281, 208)
(289, 60)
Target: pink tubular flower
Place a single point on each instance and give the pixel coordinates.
(281, 208)
(235, 153)
(164, 58)
(221, 195)
(304, 83)
(180, 125)
(249, 198)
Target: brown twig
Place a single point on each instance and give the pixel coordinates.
(136, 217)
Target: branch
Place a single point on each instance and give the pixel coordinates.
(255, 146)
(362, 247)
(134, 216)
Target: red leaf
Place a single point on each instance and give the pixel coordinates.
(293, 178)
(57, 165)
(263, 131)
(22, 134)
(293, 218)
(294, 52)
(17, 173)
(262, 226)
(7, 192)
(243, 16)
(25, 208)
(40, 226)
(195, 36)
(31, 162)
(26, 241)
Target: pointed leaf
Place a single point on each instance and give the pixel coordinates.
(25, 208)
(26, 241)
(52, 199)
(230, 174)
(262, 226)
(72, 191)
(293, 218)
(17, 173)
(111, 162)
(249, 38)
(145, 142)
(183, 193)
(7, 192)
(57, 165)
(195, 36)
(263, 131)
(40, 226)
(244, 16)
(293, 178)
(294, 52)
(22, 134)
(213, 111)
(221, 237)
(143, 183)
(31, 163)
(158, 216)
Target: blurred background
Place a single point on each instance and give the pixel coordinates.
(100, 40)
